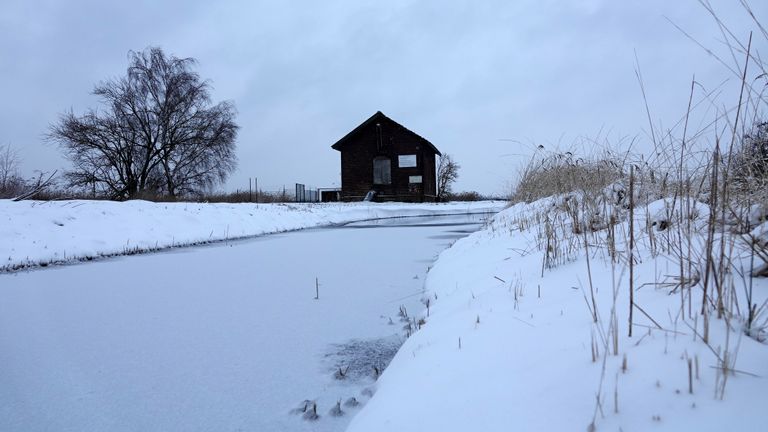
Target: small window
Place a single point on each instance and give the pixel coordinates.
(382, 170)
(414, 179)
(406, 161)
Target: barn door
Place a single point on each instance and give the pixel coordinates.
(382, 170)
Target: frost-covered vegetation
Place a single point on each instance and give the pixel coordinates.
(622, 306)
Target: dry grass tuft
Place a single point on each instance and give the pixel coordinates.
(558, 173)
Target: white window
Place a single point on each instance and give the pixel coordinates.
(406, 161)
(382, 170)
(414, 179)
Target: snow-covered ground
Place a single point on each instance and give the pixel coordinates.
(510, 343)
(34, 233)
(509, 340)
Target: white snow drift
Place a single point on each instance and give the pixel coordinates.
(34, 233)
(510, 342)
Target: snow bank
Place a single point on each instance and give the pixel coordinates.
(511, 345)
(36, 233)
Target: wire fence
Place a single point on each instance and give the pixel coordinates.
(299, 193)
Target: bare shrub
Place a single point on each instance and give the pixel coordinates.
(465, 196)
(245, 196)
(750, 165)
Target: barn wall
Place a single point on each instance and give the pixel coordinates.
(357, 164)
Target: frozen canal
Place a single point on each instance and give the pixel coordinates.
(227, 337)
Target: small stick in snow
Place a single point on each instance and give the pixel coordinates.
(632, 246)
(312, 415)
(647, 316)
(690, 376)
(589, 274)
(696, 364)
(616, 395)
(317, 289)
(336, 411)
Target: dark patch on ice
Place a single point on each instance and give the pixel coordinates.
(407, 225)
(457, 220)
(363, 358)
(447, 236)
(303, 407)
(311, 414)
(336, 411)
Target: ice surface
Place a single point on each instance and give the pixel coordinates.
(227, 336)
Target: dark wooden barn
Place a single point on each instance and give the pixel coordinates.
(384, 157)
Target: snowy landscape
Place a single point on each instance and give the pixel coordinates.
(510, 341)
(401, 216)
(232, 335)
(497, 332)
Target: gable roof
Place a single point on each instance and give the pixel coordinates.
(377, 117)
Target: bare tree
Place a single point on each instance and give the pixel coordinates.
(157, 133)
(447, 173)
(11, 183)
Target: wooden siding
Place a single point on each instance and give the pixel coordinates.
(381, 136)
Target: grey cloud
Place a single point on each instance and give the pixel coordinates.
(467, 75)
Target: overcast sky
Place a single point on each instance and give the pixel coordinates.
(482, 80)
